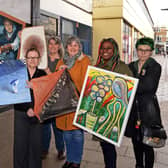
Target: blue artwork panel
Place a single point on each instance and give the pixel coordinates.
(13, 76)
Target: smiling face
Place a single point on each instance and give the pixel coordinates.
(53, 47)
(73, 48)
(107, 50)
(32, 59)
(144, 52)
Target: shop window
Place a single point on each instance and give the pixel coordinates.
(67, 29)
(84, 32)
(50, 24)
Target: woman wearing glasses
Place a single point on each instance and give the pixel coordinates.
(27, 129)
(148, 71)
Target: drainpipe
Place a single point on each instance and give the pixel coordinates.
(35, 12)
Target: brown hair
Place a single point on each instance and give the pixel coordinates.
(59, 42)
(32, 49)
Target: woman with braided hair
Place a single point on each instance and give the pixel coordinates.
(109, 59)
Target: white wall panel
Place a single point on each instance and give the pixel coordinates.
(66, 10)
(137, 15)
(17, 8)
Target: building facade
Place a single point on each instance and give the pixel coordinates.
(119, 19)
(19, 9)
(109, 18)
(161, 40)
(68, 17)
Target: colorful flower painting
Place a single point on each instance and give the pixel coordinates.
(105, 104)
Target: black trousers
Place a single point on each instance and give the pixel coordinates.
(27, 141)
(109, 153)
(144, 154)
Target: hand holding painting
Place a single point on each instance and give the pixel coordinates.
(29, 84)
(30, 112)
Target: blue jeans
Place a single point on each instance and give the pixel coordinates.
(74, 140)
(46, 135)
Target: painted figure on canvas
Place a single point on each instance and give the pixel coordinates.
(9, 37)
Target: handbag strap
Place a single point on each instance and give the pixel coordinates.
(138, 122)
(137, 107)
(73, 84)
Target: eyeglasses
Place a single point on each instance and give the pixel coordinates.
(106, 48)
(145, 51)
(32, 58)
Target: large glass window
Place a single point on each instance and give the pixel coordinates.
(67, 29)
(50, 24)
(83, 32)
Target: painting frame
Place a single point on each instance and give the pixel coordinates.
(105, 104)
(13, 76)
(17, 25)
(34, 37)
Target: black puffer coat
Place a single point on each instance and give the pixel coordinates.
(145, 96)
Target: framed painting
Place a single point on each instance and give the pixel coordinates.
(34, 37)
(105, 103)
(13, 76)
(9, 36)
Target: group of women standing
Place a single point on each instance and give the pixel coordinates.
(36, 140)
(146, 69)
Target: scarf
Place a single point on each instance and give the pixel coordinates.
(70, 61)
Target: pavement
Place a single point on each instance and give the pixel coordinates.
(92, 156)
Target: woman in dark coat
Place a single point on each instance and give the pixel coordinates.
(148, 71)
(27, 128)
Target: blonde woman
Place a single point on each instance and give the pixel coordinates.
(55, 53)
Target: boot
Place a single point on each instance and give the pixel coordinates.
(75, 165)
(67, 165)
(139, 167)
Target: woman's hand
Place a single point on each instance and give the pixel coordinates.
(30, 112)
(20, 34)
(63, 67)
(29, 84)
(47, 70)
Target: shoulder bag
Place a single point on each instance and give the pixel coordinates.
(155, 135)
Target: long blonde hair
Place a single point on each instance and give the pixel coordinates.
(59, 42)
